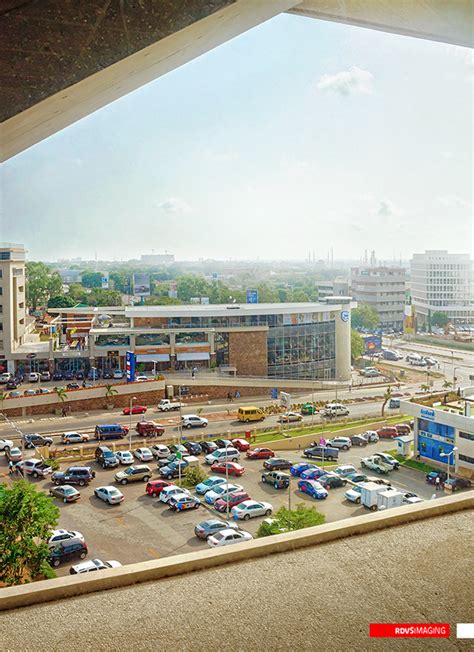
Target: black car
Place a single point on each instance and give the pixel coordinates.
(80, 475)
(359, 440)
(277, 463)
(208, 447)
(80, 375)
(105, 457)
(68, 375)
(73, 386)
(173, 469)
(192, 447)
(67, 550)
(35, 440)
(167, 460)
(332, 480)
(12, 384)
(58, 375)
(107, 375)
(457, 483)
(222, 443)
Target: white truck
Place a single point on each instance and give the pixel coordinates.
(375, 496)
(376, 463)
(167, 404)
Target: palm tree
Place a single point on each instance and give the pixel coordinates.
(447, 384)
(109, 392)
(386, 397)
(61, 394)
(425, 387)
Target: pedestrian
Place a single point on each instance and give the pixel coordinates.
(10, 467)
(438, 483)
(237, 394)
(193, 375)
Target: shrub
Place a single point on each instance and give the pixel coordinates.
(194, 476)
(285, 520)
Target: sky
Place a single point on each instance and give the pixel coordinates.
(299, 135)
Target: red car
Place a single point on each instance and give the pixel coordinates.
(234, 499)
(260, 454)
(149, 429)
(155, 487)
(136, 409)
(387, 432)
(241, 445)
(232, 468)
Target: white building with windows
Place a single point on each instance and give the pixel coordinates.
(442, 282)
(383, 288)
(12, 301)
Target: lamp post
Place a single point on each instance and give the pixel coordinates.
(454, 378)
(451, 452)
(134, 398)
(227, 480)
(180, 427)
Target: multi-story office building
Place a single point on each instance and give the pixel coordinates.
(12, 301)
(383, 288)
(338, 287)
(442, 282)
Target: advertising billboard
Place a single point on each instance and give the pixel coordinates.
(372, 344)
(130, 366)
(252, 296)
(409, 320)
(141, 284)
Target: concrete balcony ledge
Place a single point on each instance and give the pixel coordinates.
(70, 586)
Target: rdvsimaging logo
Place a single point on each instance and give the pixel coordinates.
(409, 630)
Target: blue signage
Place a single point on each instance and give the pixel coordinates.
(252, 296)
(427, 414)
(345, 315)
(274, 392)
(130, 366)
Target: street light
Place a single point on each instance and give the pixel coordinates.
(451, 452)
(134, 398)
(454, 377)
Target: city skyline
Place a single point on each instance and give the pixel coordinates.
(340, 131)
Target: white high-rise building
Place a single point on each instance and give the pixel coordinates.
(12, 300)
(442, 282)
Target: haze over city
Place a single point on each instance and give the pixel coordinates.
(297, 136)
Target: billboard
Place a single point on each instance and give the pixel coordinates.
(285, 399)
(252, 296)
(141, 284)
(409, 320)
(104, 281)
(130, 366)
(372, 344)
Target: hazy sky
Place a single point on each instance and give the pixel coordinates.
(298, 135)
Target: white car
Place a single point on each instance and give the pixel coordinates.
(63, 535)
(250, 509)
(109, 495)
(193, 421)
(172, 490)
(118, 374)
(124, 457)
(160, 451)
(74, 437)
(5, 443)
(345, 469)
(353, 494)
(228, 537)
(213, 494)
(371, 436)
(430, 361)
(143, 454)
(287, 417)
(33, 377)
(340, 442)
(141, 379)
(93, 565)
(5, 377)
(411, 499)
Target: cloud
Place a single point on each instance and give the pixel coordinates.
(385, 208)
(347, 82)
(451, 201)
(174, 205)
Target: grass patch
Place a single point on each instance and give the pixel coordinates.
(411, 463)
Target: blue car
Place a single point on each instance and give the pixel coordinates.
(297, 469)
(313, 473)
(313, 489)
(192, 447)
(210, 483)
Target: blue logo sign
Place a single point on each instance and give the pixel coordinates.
(252, 296)
(274, 392)
(345, 315)
(130, 366)
(427, 414)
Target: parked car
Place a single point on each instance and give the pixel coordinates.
(118, 374)
(389, 459)
(250, 509)
(353, 494)
(217, 491)
(227, 537)
(45, 376)
(313, 488)
(223, 443)
(109, 495)
(5, 443)
(275, 463)
(35, 468)
(377, 480)
(12, 384)
(208, 484)
(387, 432)
(160, 451)
(164, 461)
(74, 437)
(371, 436)
(155, 487)
(231, 468)
(358, 440)
(410, 498)
(13, 454)
(5, 377)
(73, 386)
(455, 484)
(136, 409)
(66, 492)
(231, 499)
(431, 477)
(63, 535)
(80, 475)
(278, 479)
(110, 431)
(124, 457)
(143, 454)
(345, 470)
(183, 502)
(93, 565)
(260, 454)
(205, 529)
(340, 442)
(332, 480)
(67, 550)
(33, 377)
(297, 469)
(322, 452)
(288, 417)
(105, 457)
(403, 429)
(133, 474)
(194, 421)
(394, 404)
(58, 375)
(171, 490)
(357, 477)
(141, 379)
(208, 447)
(223, 455)
(173, 469)
(192, 447)
(241, 445)
(34, 440)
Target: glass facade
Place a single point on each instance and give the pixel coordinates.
(191, 338)
(302, 351)
(112, 340)
(221, 343)
(434, 439)
(152, 339)
(238, 320)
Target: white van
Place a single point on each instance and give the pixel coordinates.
(223, 455)
(335, 410)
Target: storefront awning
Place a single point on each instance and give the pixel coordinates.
(183, 357)
(153, 357)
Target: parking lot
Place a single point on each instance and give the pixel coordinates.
(142, 528)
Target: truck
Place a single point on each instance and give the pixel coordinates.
(35, 468)
(373, 495)
(376, 463)
(167, 404)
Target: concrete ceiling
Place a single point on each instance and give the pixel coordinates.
(63, 59)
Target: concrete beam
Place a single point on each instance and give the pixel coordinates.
(448, 21)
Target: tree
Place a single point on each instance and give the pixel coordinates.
(440, 319)
(99, 297)
(357, 345)
(91, 279)
(386, 397)
(425, 387)
(41, 284)
(365, 316)
(61, 301)
(61, 394)
(77, 293)
(26, 516)
(285, 520)
(110, 391)
(447, 384)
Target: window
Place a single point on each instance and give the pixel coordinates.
(466, 458)
(467, 435)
